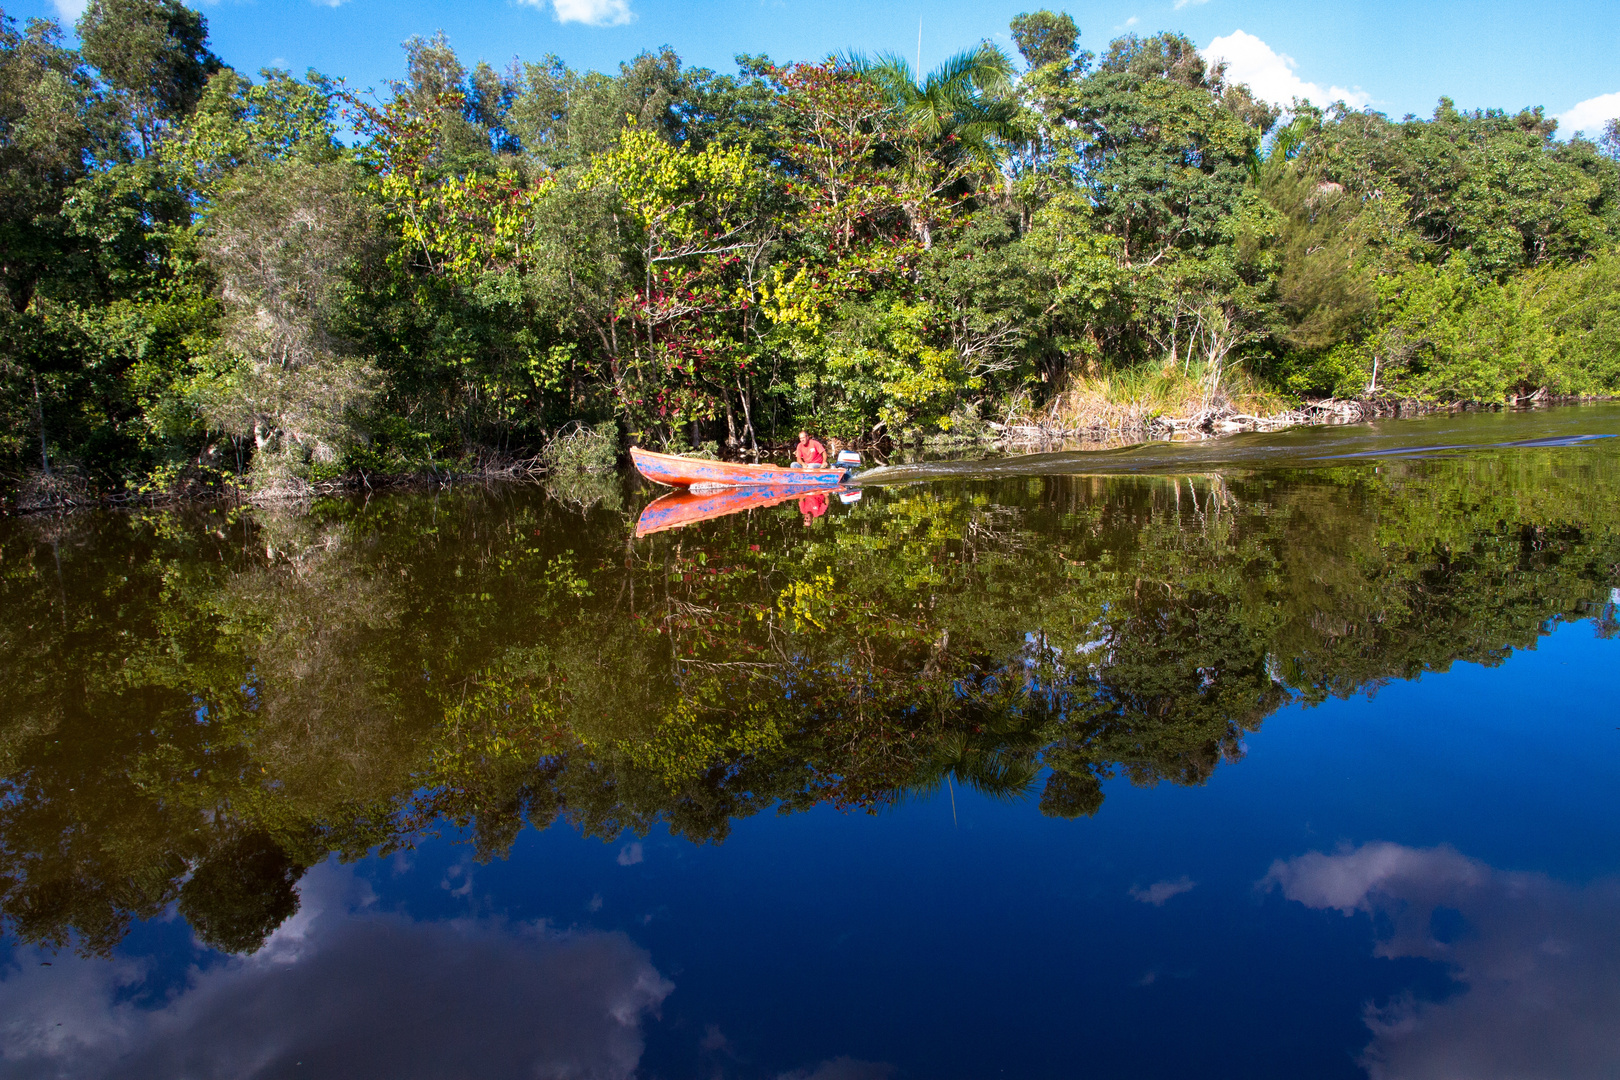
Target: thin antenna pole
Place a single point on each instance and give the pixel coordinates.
(919, 49)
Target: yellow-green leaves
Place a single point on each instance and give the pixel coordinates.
(806, 604)
(894, 362)
(676, 195)
(464, 225)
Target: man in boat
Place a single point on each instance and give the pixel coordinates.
(809, 454)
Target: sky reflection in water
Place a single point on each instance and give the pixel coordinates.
(1417, 883)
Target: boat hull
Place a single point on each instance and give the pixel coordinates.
(674, 470)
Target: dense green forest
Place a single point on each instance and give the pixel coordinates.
(201, 703)
(280, 280)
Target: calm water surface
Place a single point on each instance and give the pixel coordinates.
(1274, 756)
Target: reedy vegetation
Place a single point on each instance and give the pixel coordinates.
(204, 281)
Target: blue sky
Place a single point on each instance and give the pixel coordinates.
(1396, 55)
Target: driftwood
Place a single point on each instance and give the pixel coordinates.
(1216, 418)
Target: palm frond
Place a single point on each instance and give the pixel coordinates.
(886, 70)
(962, 102)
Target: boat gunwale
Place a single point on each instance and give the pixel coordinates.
(680, 473)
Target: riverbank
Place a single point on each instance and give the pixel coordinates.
(572, 460)
(64, 490)
(1227, 418)
(578, 465)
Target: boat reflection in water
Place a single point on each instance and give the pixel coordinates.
(680, 508)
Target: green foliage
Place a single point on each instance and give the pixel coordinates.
(584, 449)
(1324, 282)
(204, 284)
(1046, 37)
(51, 123)
(1443, 333)
(881, 360)
(962, 107)
(239, 123)
(1167, 145)
(154, 57)
(286, 241)
(1489, 187)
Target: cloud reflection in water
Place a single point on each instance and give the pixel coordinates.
(347, 991)
(1537, 960)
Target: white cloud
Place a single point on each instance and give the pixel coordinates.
(451, 873)
(590, 12)
(631, 854)
(1161, 891)
(350, 990)
(70, 10)
(1189, 3)
(1348, 880)
(1534, 958)
(1271, 74)
(1590, 115)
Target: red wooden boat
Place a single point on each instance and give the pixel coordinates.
(677, 471)
(680, 508)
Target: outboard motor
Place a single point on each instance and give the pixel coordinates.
(848, 458)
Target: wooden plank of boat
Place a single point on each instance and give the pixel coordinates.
(680, 508)
(675, 470)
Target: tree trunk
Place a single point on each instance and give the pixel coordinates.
(39, 414)
(748, 420)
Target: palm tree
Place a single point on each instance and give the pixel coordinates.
(963, 105)
(959, 111)
(1006, 773)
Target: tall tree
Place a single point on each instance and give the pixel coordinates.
(286, 240)
(154, 55)
(238, 122)
(51, 127)
(1492, 187)
(1045, 37)
(1168, 144)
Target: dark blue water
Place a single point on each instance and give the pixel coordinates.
(1421, 879)
(1186, 932)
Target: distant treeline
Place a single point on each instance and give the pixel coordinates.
(205, 282)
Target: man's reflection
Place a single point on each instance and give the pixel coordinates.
(813, 506)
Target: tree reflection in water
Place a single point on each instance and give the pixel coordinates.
(199, 705)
